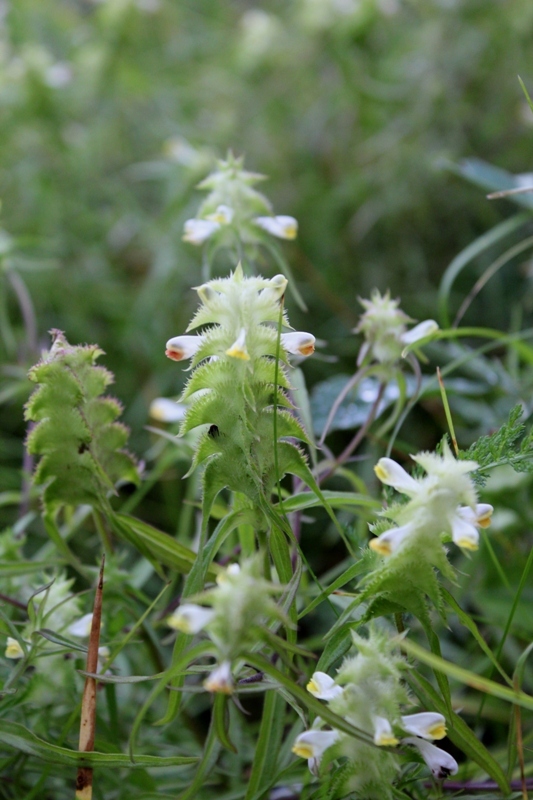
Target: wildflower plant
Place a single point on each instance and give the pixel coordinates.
(218, 653)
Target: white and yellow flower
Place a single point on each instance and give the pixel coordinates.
(441, 763)
(427, 724)
(323, 687)
(13, 649)
(190, 618)
(282, 226)
(221, 679)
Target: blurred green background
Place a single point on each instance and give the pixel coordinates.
(112, 111)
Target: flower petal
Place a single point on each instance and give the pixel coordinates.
(441, 763)
(323, 686)
(196, 231)
(221, 679)
(312, 744)
(281, 226)
(182, 347)
(298, 343)
(238, 348)
(223, 215)
(427, 724)
(13, 649)
(190, 618)
(81, 627)
(421, 330)
(392, 474)
(464, 534)
(163, 409)
(388, 542)
(383, 733)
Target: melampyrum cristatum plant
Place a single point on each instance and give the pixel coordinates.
(368, 692)
(442, 506)
(238, 387)
(77, 435)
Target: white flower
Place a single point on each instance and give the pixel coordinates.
(190, 618)
(312, 744)
(392, 474)
(220, 680)
(441, 763)
(464, 533)
(13, 649)
(197, 231)
(298, 343)
(275, 289)
(383, 734)
(427, 724)
(238, 348)
(323, 686)
(182, 347)
(81, 627)
(388, 542)
(163, 409)
(230, 572)
(223, 215)
(282, 226)
(420, 331)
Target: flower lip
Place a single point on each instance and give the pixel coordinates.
(427, 724)
(323, 687)
(180, 348)
(464, 534)
(282, 226)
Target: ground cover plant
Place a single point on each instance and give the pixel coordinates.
(303, 569)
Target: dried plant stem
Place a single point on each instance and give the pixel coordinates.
(84, 779)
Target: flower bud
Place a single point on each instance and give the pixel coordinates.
(163, 409)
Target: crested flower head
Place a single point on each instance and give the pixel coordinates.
(383, 325)
(443, 502)
(237, 379)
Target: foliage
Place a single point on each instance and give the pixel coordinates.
(262, 606)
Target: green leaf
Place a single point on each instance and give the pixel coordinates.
(304, 500)
(466, 677)
(161, 547)
(458, 731)
(22, 740)
(268, 746)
